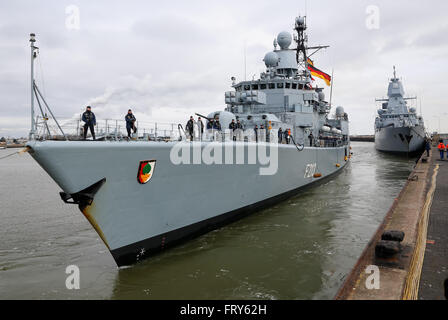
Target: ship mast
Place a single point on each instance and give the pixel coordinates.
(35, 92)
(302, 41)
(33, 55)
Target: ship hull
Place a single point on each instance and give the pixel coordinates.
(400, 139)
(180, 201)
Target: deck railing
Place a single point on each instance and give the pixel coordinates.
(112, 129)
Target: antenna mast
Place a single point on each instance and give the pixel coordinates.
(35, 92)
(33, 55)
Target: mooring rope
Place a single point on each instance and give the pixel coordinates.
(14, 153)
(410, 291)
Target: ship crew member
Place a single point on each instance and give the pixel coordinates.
(262, 133)
(256, 133)
(217, 125)
(427, 146)
(286, 133)
(239, 129)
(89, 122)
(232, 126)
(210, 124)
(280, 135)
(190, 128)
(441, 148)
(130, 122)
(201, 128)
(311, 137)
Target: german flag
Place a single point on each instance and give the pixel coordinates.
(318, 73)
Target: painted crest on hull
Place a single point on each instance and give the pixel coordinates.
(145, 171)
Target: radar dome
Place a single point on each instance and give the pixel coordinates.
(340, 111)
(321, 96)
(300, 21)
(413, 110)
(271, 59)
(284, 40)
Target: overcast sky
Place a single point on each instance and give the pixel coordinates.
(169, 59)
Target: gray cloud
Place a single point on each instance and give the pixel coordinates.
(167, 60)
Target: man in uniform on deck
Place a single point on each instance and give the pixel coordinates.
(311, 137)
(130, 122)
(89, 122)
(232, 127)
(200, 128)
(239, 130)
(256, 133)
(190, 128)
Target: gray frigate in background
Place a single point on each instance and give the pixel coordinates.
(144, 196)
(398, 128)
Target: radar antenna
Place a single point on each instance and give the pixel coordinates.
(302, 41)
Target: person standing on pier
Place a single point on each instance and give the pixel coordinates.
(89, 122)
(441, 148)
(427, 146)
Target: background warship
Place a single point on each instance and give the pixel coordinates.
(176, 197)
(398, 128)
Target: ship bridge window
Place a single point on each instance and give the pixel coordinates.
(280, 85)
(255, 87)
(272, 86)
(300, 86)
(263, 86)
(238, 88)
(247, 87)
(287, 85)
(294, 85)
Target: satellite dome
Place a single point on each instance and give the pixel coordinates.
(339, 111)
(413, 110)
(271, 59)
(300, 20)
(321, 96)
(284, 40)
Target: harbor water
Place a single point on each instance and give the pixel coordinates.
(299, 249)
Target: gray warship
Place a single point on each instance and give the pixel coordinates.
(398, 128)
(143, 196)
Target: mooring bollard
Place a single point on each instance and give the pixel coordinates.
(390, 244)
